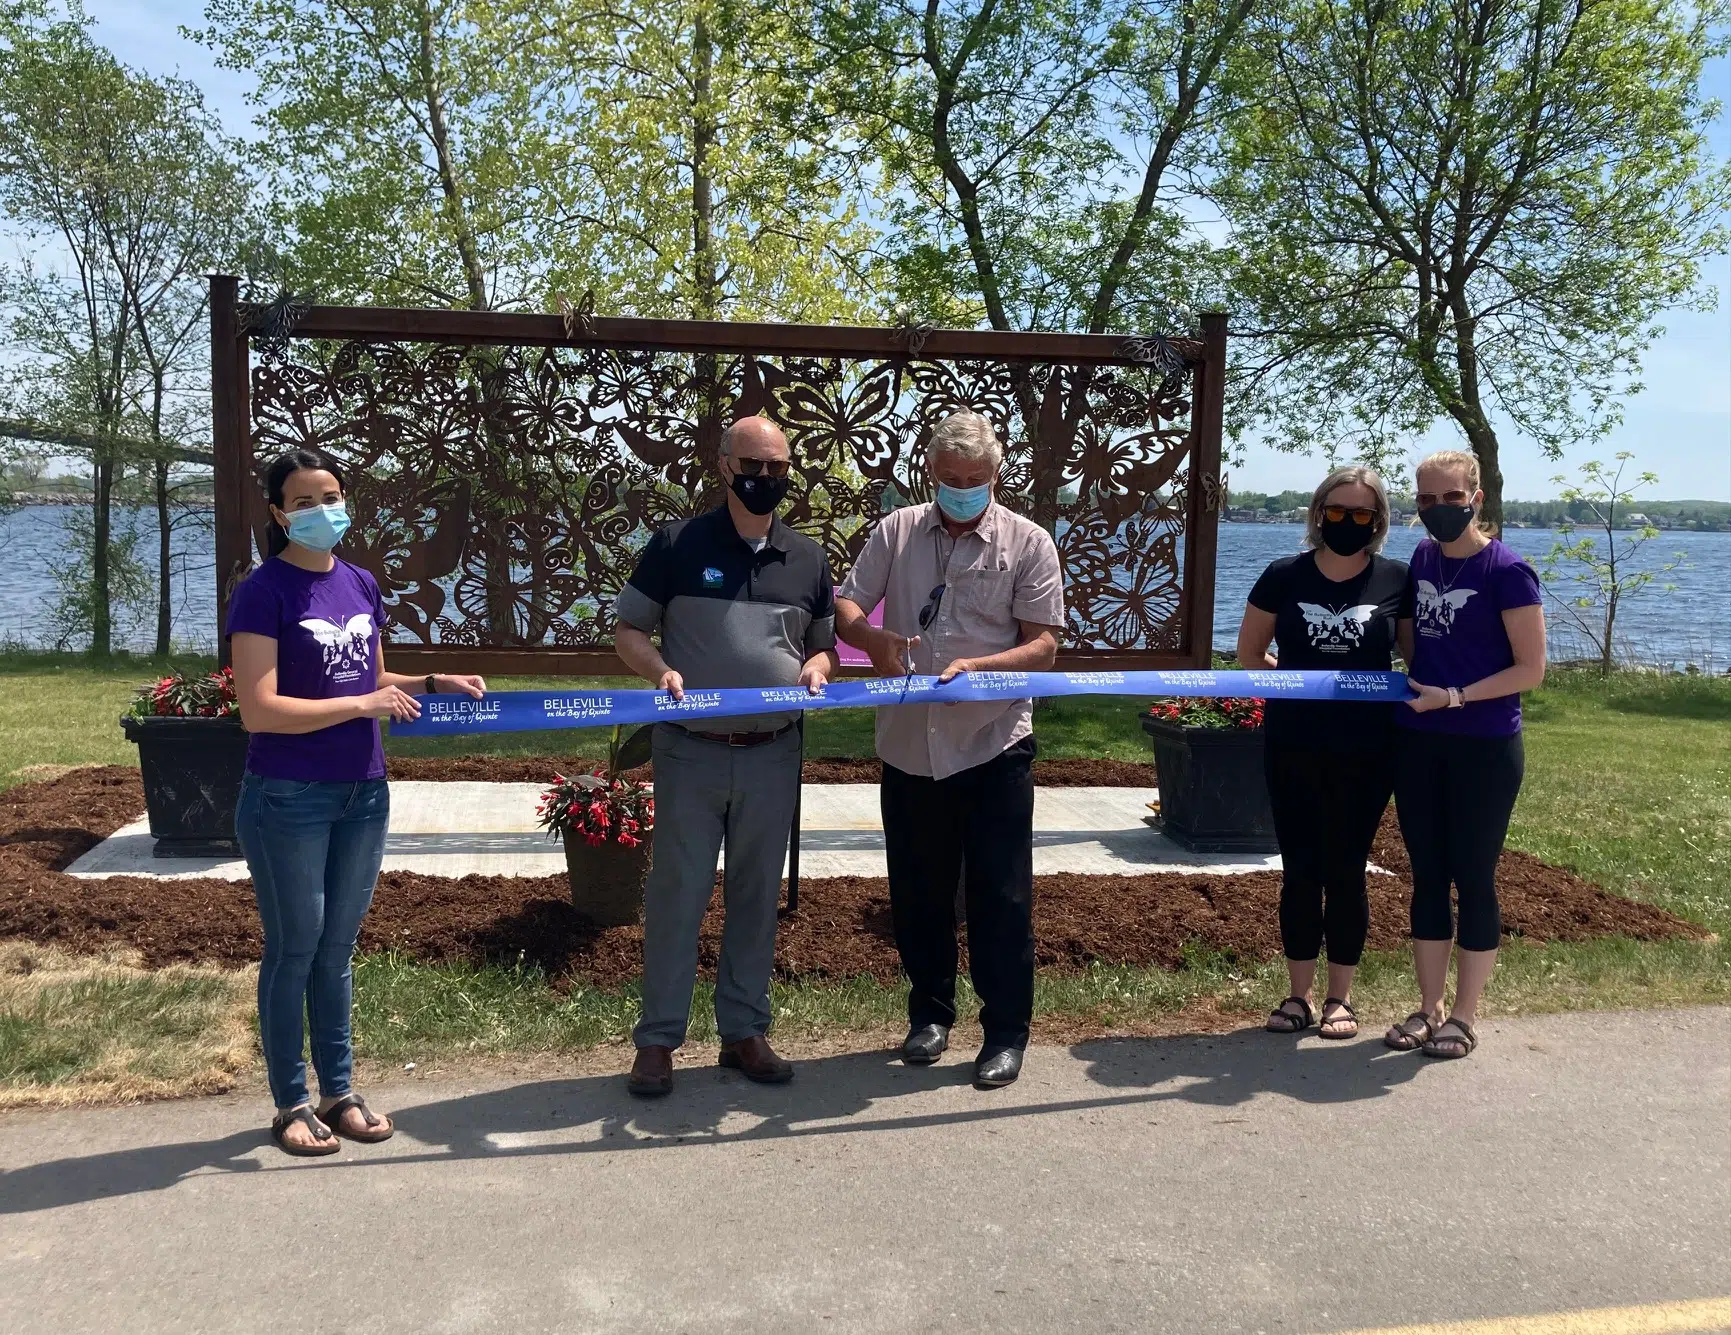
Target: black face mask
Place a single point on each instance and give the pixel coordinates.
(1445, 523)
(760, 494)
(1347, 537)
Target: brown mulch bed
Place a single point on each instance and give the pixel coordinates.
(842, 928)
(1072, 773)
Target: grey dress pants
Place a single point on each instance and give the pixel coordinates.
(707, 794)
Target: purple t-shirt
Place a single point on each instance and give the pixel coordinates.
(1458, 634)
(326, 627)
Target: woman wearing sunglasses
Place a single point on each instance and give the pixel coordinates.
(1479, 642)
(1330, 764)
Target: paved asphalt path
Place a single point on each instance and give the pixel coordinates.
(1234, 1183)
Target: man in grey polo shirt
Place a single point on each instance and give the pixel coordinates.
(739, 599)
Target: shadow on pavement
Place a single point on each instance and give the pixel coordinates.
(1225, 1070)
(846, 1094)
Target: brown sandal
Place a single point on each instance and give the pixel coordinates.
(1283, 1021)
(1351, 1017)
(333, 1117)
(324, 1142)
(1462, 1043)
(1401, 1037)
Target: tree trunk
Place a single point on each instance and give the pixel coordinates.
(461, 231)
(705, 296)
(164, 571)
(1606, 653)
(101, 614)
(1467, 408)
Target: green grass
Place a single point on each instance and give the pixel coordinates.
(64, 709)
(1628, 783)
(85, 1030)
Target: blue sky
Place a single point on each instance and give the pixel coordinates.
(1679, 428)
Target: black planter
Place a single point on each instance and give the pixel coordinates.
(192, 769)
(1213, 796)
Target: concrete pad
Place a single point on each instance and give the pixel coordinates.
(458, 829)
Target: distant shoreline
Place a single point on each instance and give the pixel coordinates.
(25, 500)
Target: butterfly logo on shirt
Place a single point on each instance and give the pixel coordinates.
(1437, 607)
(346, 646)
(1337, 630)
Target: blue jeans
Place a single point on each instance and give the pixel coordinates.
(314, 851)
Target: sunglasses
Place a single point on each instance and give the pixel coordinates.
(934, 600)
(1360, 516)
(760, 467)
(1426, 499)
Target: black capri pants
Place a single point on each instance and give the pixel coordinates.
(1327, 804)
(1454, 795)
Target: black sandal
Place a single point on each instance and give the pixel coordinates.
(1283, 1021)
(333, 1117)
(1401, 1038)
(1351, 1015)
(324, 1141)
(1462, 1043)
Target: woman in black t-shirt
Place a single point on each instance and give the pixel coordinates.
(1330, 764)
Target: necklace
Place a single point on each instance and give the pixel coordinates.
(1465, 561)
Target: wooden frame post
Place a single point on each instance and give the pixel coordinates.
(1206, 492)
(231, 444)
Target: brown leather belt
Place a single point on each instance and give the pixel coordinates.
(738, 738)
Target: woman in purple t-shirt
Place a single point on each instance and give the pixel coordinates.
(310, 672)
(1478, 642)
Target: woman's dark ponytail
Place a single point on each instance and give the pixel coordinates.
(277, 474)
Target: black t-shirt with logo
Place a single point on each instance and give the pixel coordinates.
(1326, 624)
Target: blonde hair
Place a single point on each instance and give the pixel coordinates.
(1450, 460)
(1352, 474)
(969, 436)
(1463, 461)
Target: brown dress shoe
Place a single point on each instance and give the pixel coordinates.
(652, 1073)
(756, 1060)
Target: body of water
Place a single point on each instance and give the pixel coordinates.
(1691, 624)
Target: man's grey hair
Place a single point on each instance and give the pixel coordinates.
(967, 435)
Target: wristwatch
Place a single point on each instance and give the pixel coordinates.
(431, 689)
(1456, 699)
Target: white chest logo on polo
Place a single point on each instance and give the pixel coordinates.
(1329, 629)
(344, 646)
(1436, 609)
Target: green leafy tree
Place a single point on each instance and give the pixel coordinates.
(129, 182)
(698, 182)
(488, 156)
(1471, 209)
(394, 133)
(1040, 163)
(1592, 584)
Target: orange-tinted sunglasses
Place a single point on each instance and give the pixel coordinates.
(1360, 515)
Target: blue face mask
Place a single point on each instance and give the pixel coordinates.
(319, 528)
(964, 503)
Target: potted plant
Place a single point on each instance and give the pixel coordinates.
(191, 755)
(1208, 765)
(608, 824)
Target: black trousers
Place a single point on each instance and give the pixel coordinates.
(984, 815)
(1455, 795)
(1327, 804)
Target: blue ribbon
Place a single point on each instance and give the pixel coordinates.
(527, 711)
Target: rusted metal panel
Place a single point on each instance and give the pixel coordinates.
(505, 470)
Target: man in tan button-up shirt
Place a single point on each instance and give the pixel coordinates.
(967, 586)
